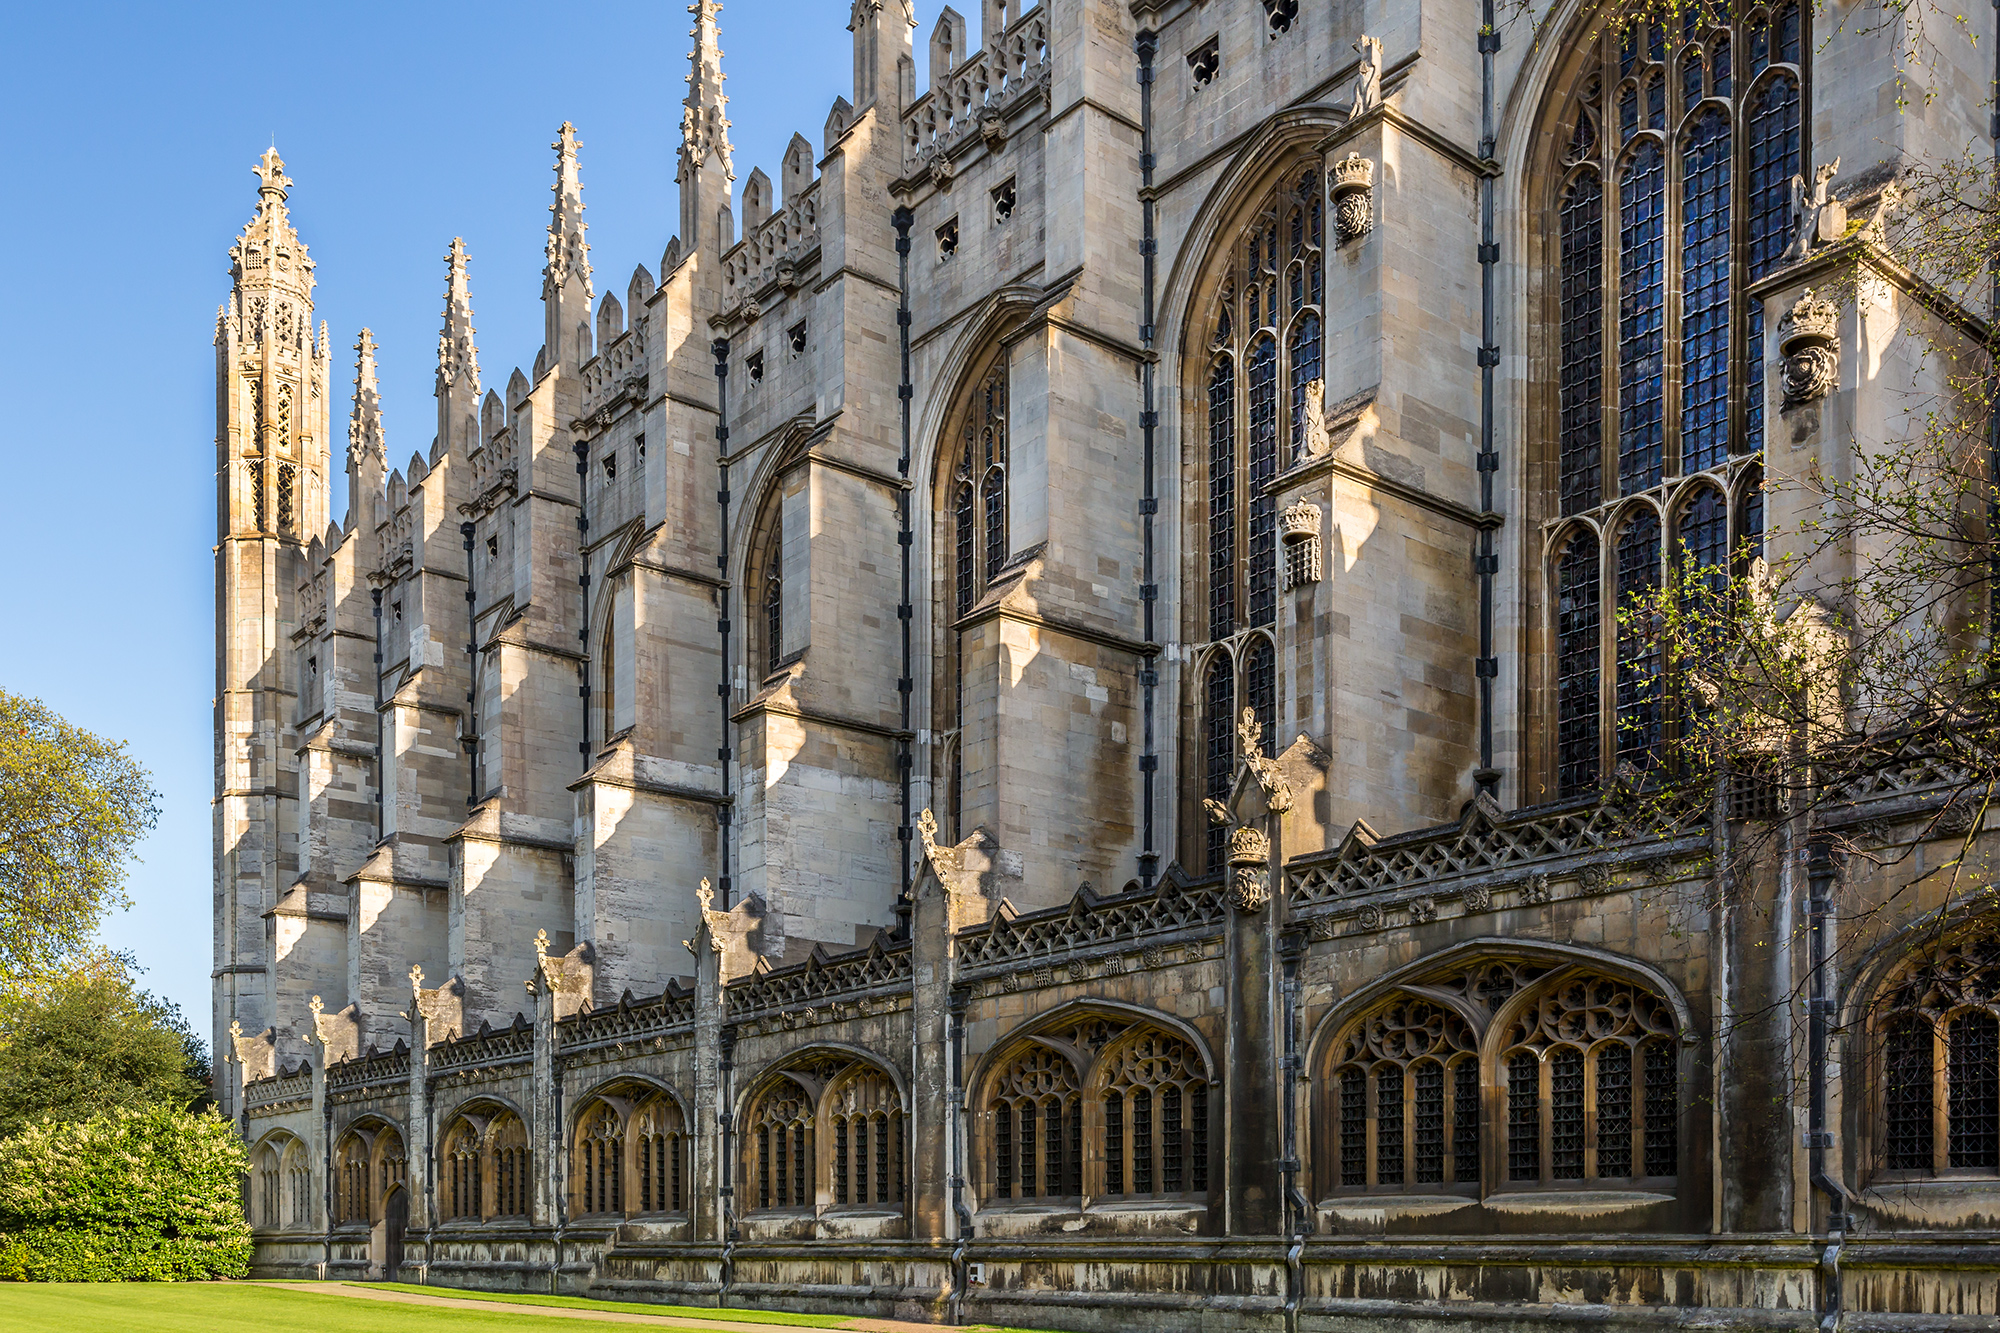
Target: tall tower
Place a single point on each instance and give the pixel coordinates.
(271, 440)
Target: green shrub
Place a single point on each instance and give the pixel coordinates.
(152, 1194)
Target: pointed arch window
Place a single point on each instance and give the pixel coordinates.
(1264, 365)
(774, 592)
(1108, 1109)
(1672, 197)
(1559, 1077)
(1937, 1063)
(974, 546)
(600, 1161)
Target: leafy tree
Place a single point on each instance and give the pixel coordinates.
(89, 1042)
(72, 808)
(151, 1193)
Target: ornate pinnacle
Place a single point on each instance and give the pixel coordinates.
(270, 171)
(364, 427)
(458, 356)
(417, 981)
(541, 947)
(568, 254)
(704, 127)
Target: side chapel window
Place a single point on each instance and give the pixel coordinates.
(1264, 364)
(1580, 1084)
(835, 1123)
(1939, 1084)
(1674, 197)
(1132, 1123)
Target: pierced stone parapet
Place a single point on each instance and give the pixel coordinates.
(821, 978)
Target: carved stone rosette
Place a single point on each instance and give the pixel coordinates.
(1809, 341)
(1249, 873)
(1352, 183)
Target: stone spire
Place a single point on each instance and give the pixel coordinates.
(566, 278)
(458, 359)
(705, 169)
(367, 448)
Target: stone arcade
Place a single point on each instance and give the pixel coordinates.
(853, 783)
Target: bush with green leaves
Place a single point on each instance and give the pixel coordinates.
(146, 1194)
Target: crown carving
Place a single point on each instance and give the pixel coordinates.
(1353, 172)
(1299, 521)
(1248, 846)
(1811, 320)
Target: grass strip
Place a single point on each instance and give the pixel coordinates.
(727, 1315)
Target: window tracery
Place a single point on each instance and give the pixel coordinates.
(1407, 1085)
(1665, 212)
(1580, 1084)
(1133, 1123)
(781, 1135)
(1939, 1082)
(1264, 366)
(512, 1176)
(462, 1184)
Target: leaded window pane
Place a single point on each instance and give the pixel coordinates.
(1222, 498)
(1773, 124)
(1972, 1073)
(1219, 732)
(1641, 285)
(1304, 359)
(1428, 1131)
(1353, 1127)
(1566, 1114)
(1638, 682)
(1705, 257)
(1465, 1122)
(1614, 1110)
(1582, 375)
(1661, 1108)
(1524, 1118)
(1577, 657)
(1389, 1125)
(1260, 687)
(1263, 467)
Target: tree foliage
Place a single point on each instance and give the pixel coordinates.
(149, 1193)
(72, 807)
(89, 1042)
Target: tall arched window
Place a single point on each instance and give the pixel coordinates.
(1100, 1107)
(1263, 367)
(1673, 197)
(1938, 1063)
(764, 604)
(973, 548)
(1554, 1076)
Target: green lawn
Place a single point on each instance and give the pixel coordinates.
(733, 1315)
(218, 1307)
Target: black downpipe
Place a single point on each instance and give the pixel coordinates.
(375, 596)
(469, 737)
(558, 1159)
(955, 1003)
(582, 452)
(906, 683)
(1487, 562)
(1819, 1015)
(1291, 951)
(725, 1067)
(720, 348)
(326, 1194)
(1149, 504)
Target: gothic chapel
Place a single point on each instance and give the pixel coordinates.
(1019, 730)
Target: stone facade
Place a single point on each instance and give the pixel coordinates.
(911, 693)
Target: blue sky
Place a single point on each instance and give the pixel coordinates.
(132, 130)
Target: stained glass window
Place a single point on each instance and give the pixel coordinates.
(1638, 687)
(1658, 229)
(1577, 658)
